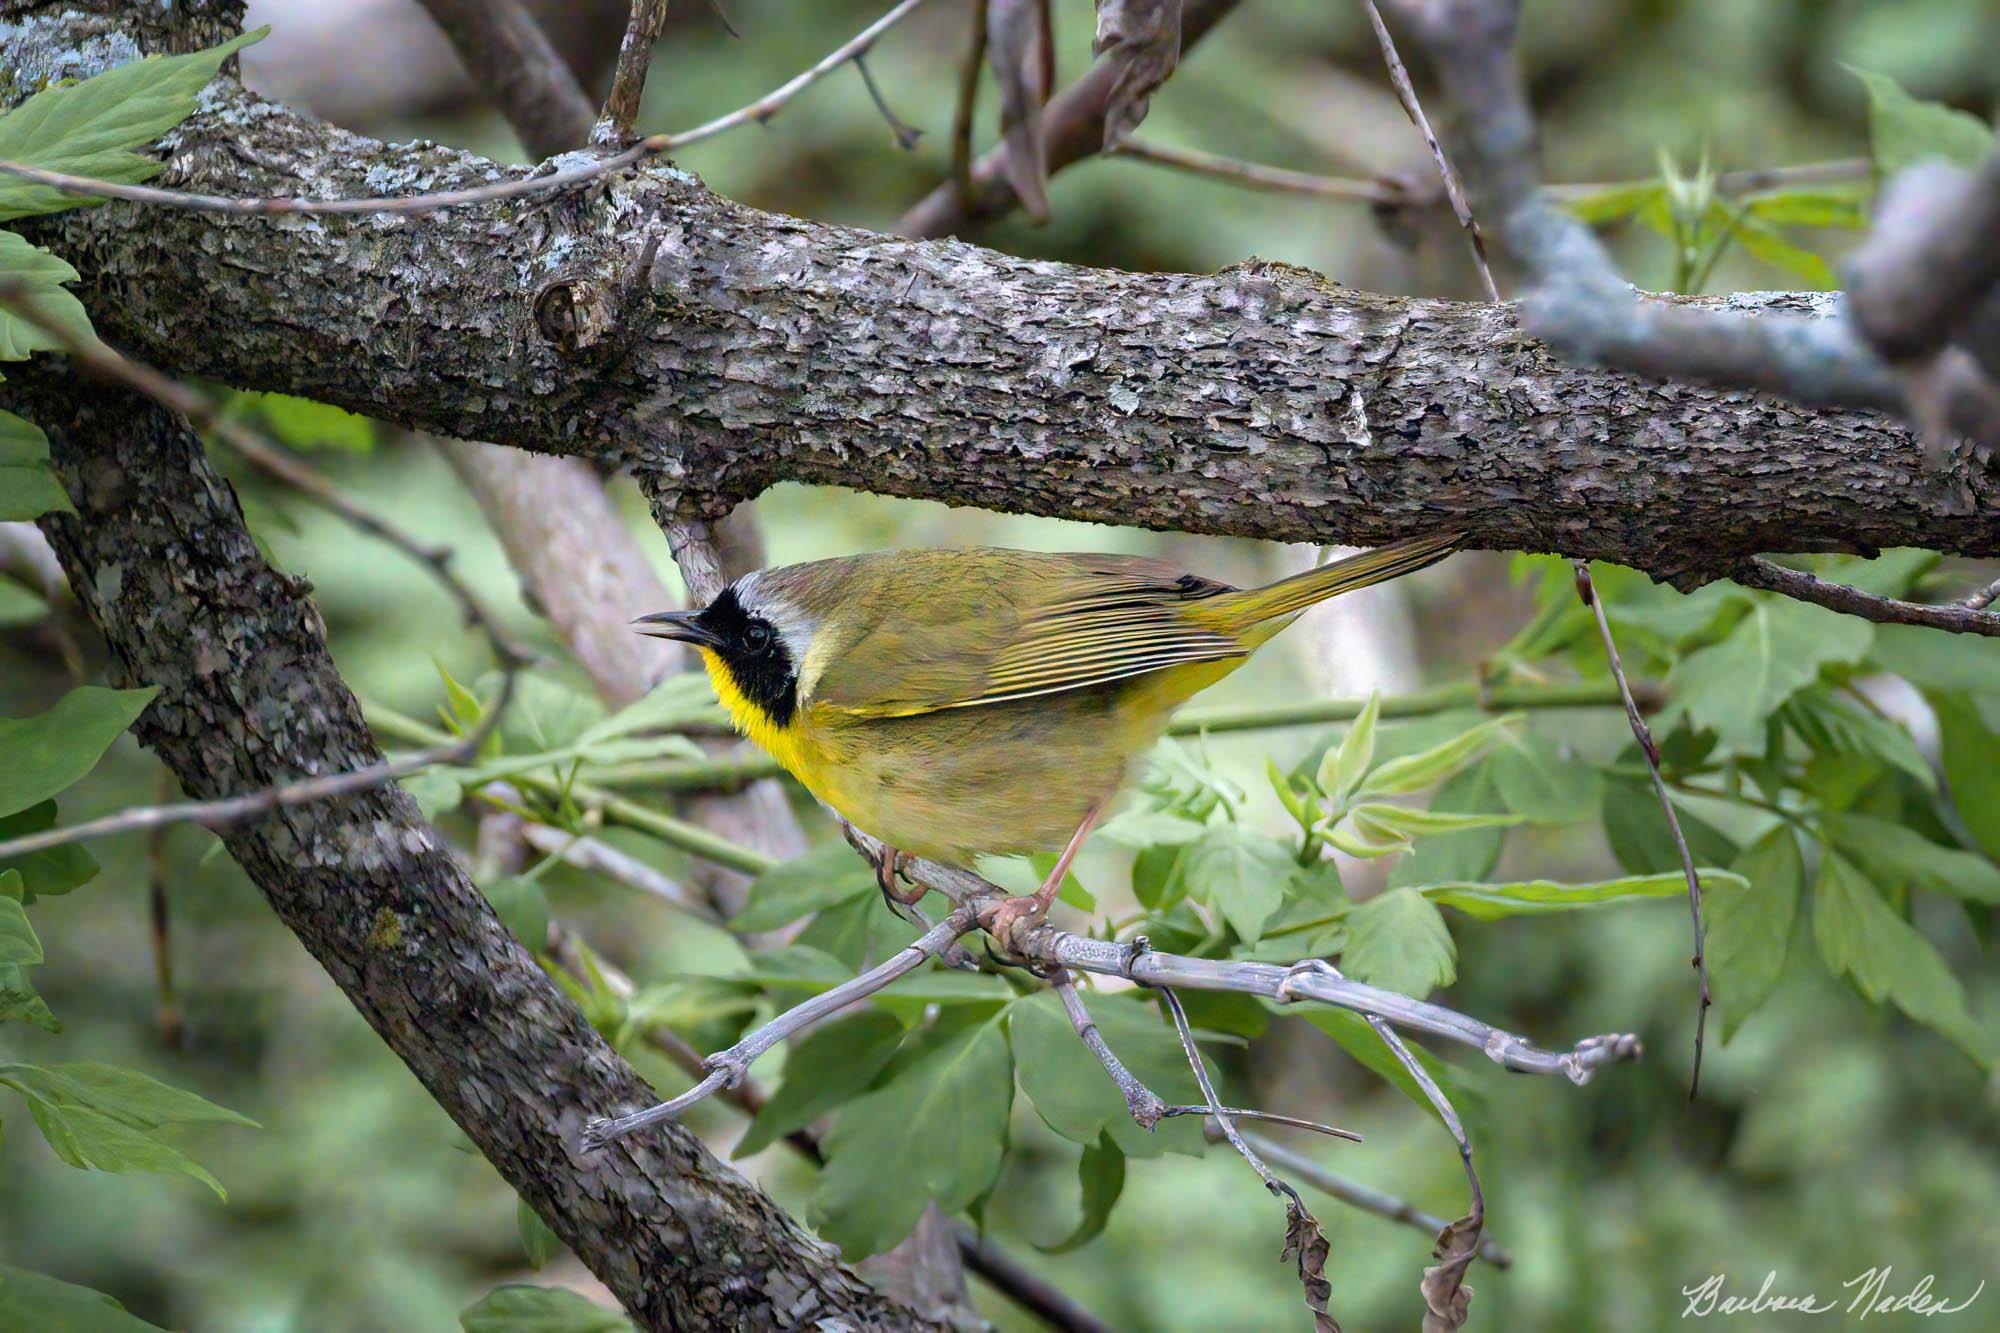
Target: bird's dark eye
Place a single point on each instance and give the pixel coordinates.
(757, 637)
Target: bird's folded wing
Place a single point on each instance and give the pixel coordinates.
(1067, 623)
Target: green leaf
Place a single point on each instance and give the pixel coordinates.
(1932, 659)
(28, 489)
(538, 1243)
(523, 907)
(824, 1070)
(91, 128)
(1448, 856)
(1810, 208)
(19, 946)
(1354, 1035)
(1615, 202)
(18, 606)
(1340, 771)
(1240, 873)
(1536, 781)
(1830, 727)
(1640, 840)
(1159, 877)
(1902, 858)
(37, 1301)
(860, 932)
(1750, 924)
(1887, 958)
(1143, 828)
(1537, 897)
(1101, 1172)
(301, 423)
(47, 752)
(824, 877)
(1413, 772)
(41, 276)
(126, 1095)
(1404, 822)
(1903, 130)
(517, 1308)
(679, 701)
(1771, 654)
(1768, 245)
(1398, 940)
(1071, 1092)
(20, 1003)
(55, 871)
(1971, 756)
(936, 1130)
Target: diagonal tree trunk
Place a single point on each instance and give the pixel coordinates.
(249, 697)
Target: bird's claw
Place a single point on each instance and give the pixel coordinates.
(1006, 919)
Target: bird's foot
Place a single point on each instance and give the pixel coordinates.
(891, 864)
(1006, 919)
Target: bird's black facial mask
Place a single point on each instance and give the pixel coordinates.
(755, 653)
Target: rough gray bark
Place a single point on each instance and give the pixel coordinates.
(164, 566)
(1262, 401)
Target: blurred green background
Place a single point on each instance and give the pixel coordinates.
(1829, 1138)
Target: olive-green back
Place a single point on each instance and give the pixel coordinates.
(904, 632)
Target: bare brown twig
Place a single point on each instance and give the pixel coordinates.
(1643, 734)
(628, 79)
(967, 106)
(99, 360)
(1966, 617)
(1400, 77)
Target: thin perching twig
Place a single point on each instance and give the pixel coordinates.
(97, 359)
(652, 145)
(727, 1068)
(1967, 617)
(1400, 76)
(1644, 735)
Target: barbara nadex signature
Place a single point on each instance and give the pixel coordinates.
(1871, 1291)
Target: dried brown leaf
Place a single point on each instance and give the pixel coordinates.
(1142, 40)
(1022, 51)
(1306, 1243)
(1446, 1297)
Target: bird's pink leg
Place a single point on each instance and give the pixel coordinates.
(1003, 919)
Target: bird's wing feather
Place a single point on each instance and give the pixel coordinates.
(1033, 625)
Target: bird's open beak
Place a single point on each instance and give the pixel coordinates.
(680, 625)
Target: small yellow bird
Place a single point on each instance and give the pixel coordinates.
(969, 702)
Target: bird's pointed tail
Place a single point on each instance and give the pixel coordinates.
(1254, 606)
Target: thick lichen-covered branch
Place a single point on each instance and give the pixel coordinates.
(644, 321)
(249, 698)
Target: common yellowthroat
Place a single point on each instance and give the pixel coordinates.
(969, 702)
